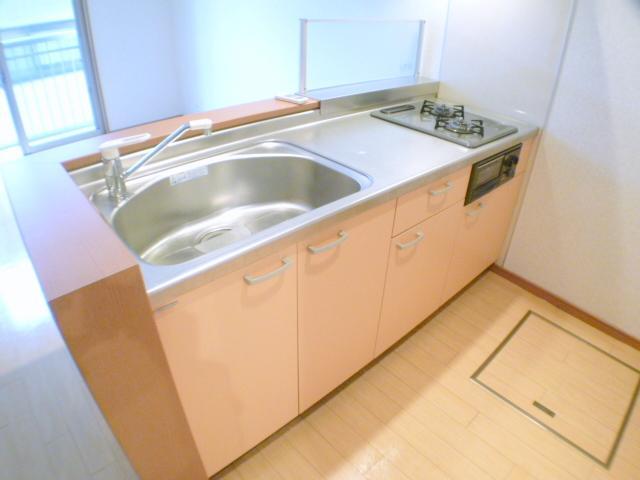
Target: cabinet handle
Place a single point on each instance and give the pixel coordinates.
(476, 212)
(342, 237)
(447, 186)
(286, 265)
(166, 307)
(412, 243)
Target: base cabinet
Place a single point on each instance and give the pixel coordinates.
(231, 347)
(341, 279)
(418, 263)
(253, 349)
(481, 235)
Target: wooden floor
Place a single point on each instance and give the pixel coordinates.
(416, 414)
(50, 426)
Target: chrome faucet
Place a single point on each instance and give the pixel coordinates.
(114, 175)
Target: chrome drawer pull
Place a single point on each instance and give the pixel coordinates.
(342, 237)
(286, 265)
(447, 186)
(476, 212)
(412, 243)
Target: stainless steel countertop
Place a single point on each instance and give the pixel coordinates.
(397, 159)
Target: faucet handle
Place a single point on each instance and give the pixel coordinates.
(200, 124)
(110, 149)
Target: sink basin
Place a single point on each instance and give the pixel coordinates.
(205, 205)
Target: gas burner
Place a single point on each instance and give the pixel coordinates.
(444, 120)
(442, 110)
(461, 126)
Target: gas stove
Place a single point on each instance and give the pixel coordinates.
(446, 121)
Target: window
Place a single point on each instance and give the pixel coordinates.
(47, 87)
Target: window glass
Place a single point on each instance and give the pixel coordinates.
(46, 88)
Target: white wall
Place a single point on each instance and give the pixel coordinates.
(161, 58)
(136, 60)
(234, 52)
(578, 234)
(503, 56)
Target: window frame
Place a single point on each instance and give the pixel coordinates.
(90, 71)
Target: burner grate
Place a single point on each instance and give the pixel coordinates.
(442, 110)
(460, 126)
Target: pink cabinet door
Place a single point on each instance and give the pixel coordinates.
(481, 235)
(232, 350)
(418, 263)
(341, 274)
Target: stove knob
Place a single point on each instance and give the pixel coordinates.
(512, 160)
(510, 163)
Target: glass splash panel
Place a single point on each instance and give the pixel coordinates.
(344, 52)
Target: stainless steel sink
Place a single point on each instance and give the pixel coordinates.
(188, 211)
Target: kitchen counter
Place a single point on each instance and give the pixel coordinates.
(397, 160)
(94, 283)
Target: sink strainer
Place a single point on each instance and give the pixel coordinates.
(213, 238)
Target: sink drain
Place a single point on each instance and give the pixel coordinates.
(213, 238)
(207, 235)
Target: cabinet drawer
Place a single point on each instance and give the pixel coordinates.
(416, 206)
(418, 263)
